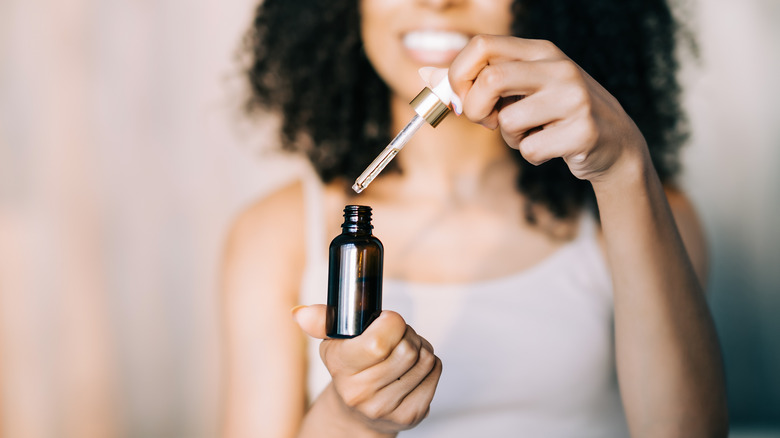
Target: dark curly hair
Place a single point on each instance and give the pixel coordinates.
(306, 62)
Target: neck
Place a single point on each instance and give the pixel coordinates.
(458, 158)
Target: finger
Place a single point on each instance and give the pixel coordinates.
(426, 344)
(484, 50)
(364, 385)
(532, 112)
(516, 78)
(432, 75)
(415, 406)
(311, 319)
(404, 356)
(373, 346)
(406, 382)
(389, 398)
(566, 139)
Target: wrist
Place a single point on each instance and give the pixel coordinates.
(630, 172)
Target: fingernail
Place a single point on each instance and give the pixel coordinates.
(425, 73)
(294, 312)
(457, 105)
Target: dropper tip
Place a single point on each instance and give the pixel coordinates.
(357, 188)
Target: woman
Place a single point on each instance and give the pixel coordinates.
(538, 306)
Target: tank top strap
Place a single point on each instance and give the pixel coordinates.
(314, 221)
(315, 272)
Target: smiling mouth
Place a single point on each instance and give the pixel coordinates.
(434, 47)
(435, 40)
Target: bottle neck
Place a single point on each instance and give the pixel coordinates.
(357, 220)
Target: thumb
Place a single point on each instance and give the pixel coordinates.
(432, 75)
(311, 319)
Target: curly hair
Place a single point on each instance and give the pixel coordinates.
(306, 62)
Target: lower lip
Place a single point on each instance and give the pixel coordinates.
(433, 57)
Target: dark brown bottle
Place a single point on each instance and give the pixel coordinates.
(354, 275)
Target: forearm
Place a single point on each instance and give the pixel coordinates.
(329, 417)
(669, 363)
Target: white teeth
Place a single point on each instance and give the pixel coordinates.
(435, 40)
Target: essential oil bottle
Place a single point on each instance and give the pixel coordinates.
(354, 275)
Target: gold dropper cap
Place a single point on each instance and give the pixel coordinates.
(428, 105)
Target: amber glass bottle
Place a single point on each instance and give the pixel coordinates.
(354, 275)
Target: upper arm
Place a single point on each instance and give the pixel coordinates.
(261, 272)
(691, 232)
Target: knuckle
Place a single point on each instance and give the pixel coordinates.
(547, 47)
(507, 121)
(482, 43)
(424, 342)
(351, 395)
(579, 98)
(512, 140)
(374, 410)
(377, 348)
(530, 152)
(492, 77)
(406, 418)
(567, 70)
(408, 354)
(438, 367)
(427, 360)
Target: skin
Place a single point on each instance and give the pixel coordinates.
(383, 381)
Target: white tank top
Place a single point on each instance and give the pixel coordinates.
(530, 354)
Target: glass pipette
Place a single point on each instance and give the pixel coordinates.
(431, 106)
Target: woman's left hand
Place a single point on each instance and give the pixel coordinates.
(546, 106)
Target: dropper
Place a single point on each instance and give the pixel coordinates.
(430, 106)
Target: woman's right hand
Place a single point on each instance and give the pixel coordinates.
(386, 377)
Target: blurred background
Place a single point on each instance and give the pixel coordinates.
(124, 156)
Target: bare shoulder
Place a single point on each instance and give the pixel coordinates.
(276, 215)
(261, 273)
(266, 241)
(691, 230)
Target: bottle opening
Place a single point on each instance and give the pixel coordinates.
(357, 217)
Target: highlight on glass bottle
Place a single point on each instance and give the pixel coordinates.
(354, 275)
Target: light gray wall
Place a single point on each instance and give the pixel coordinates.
(732, 175)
